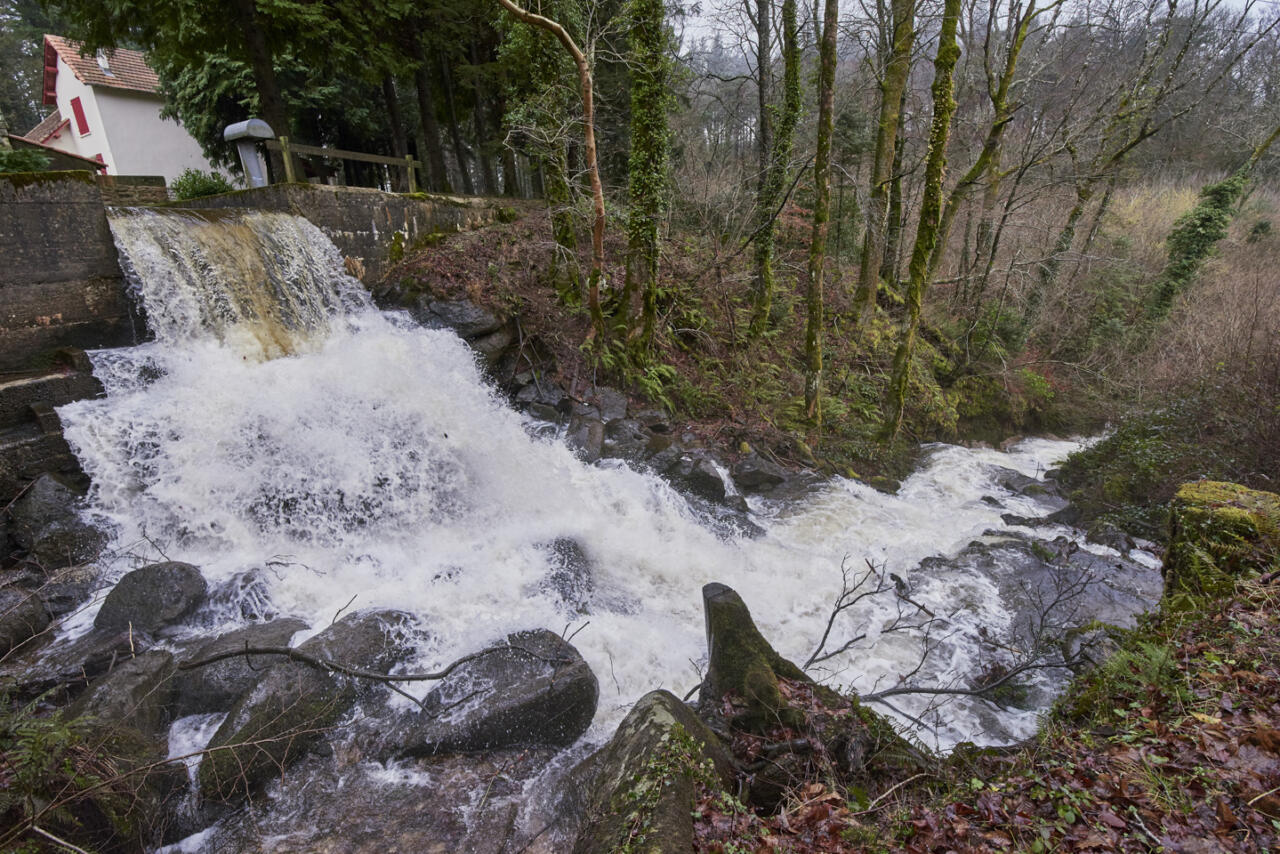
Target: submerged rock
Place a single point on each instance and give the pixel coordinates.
(152, 597)
(604, 792)
(532, 690)
(571, 574)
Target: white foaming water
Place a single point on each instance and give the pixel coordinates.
(372, 462)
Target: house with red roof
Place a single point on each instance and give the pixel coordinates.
(107, 109)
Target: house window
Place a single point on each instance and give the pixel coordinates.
(82, 124)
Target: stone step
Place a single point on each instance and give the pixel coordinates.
(73, 380)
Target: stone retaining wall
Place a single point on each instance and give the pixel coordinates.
(60, 283)
(131, 190)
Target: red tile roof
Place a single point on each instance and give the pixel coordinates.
(47, 128)
(127, 69)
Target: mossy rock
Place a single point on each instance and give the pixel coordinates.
(1218, 533)
(743, 665)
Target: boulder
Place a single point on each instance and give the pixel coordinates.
(545, 392)
(1106, 534)
(216, 687)
(62, 669)
(138, 693)
(585, 437)
(68, 588)
(611, 403)
(152, 597)
(1218, 533)
(624, 439)
(464, 317)
(756, 474)
(700, 476)
(366, 640)
(22, 616)
(531, 690)
(46, 523)
(271, 726)
(491, 347)
(616, 797)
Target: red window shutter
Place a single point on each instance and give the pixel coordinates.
(82, 124)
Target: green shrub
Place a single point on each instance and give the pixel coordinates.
(192, 184)
(23, 160)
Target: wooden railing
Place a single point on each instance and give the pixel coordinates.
(287, 148)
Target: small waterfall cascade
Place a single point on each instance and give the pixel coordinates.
(258, 280)
(280, 428)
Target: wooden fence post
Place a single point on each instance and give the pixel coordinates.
(289, 177)
(413, 178)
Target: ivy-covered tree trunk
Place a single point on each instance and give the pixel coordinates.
(821, 214)
(897, 70)
(944, 108)
(773, 177)
(647, 167)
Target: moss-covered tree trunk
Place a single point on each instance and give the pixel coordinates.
(893, 219)
(944, 108)
(821, 215)
(773, 177)
(897, 69)
(566, 275)
(647, 167)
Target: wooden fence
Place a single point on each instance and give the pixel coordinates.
(287, 149)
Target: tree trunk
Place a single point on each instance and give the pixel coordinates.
(455, 132)
(821, 215)
(399, 142)
(944, 107)
(897, 69)
(893, 220)
(264, 76)
(586, 87)
(774, 176)
(437, 171)
(565, 273)
(647, 168)
(483, 155)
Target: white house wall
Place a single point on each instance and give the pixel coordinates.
(144, 143)
(94, 142)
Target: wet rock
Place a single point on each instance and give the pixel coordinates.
(245, 593)
(22, 616)
(152, 597)
(756, 474)
(743, 664)
(699, 475)
(604, 789)
(624, 439)
(493, 347)
(216, 687)
(463, 317)
(281, 719)
(1069, 516)
(532, 690)
(586, 437)
(1022, 521)
(543, 412)
(68, 588)
(367, 640)
(545, 392)
(138, 693)
(992, 501)
(571, 573)
(611, 403)
(1105, 534)
(62, 669)
(655, 419)
(45, 522)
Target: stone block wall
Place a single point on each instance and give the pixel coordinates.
(131, 190)
(60, 283)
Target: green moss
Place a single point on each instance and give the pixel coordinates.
(1218, 532)
(18, 180)
(395, 252)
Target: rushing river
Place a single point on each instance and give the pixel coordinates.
(318, 455)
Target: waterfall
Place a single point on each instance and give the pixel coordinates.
(281, 426)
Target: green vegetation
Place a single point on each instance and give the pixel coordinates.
(194, 183)
(23, 160)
